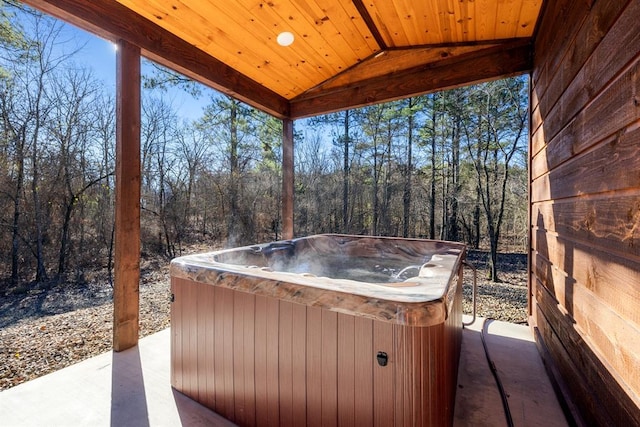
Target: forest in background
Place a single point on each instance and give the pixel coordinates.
(448, 165)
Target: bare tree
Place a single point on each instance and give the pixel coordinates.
(26, 112)
(103, 118)
(502, 116)
(72, 100)
(159, 122)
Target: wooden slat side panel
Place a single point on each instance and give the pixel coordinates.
(453, 342)
(177, 327)
(205, 297)
(228, 357)
(413, 392)
(329, 362)
(279, 363)
(261, 386)
(421, 361)
(433, 374)
(249, 359)
(428, 369)
(400, 373)
(299, 364)
(314, 366)
(383, 376)
(346, 371)
(285, 350)
(363, 371)
(244, 360)
(272, 365)
(191, 353)
(237, 352)
(441, 375)
(219, 355)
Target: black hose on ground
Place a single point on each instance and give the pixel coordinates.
(494, 371)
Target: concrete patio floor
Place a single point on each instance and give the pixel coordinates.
(132, 388)
(532, 400)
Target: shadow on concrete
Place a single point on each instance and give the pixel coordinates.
(128, 397)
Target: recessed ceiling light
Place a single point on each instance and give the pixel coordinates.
(285, 38)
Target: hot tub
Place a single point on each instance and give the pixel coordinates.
(321, 330)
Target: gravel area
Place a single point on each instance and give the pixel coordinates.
(44, 330)
(505, 300)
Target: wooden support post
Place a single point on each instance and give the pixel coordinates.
(287, 179)
(126, 306)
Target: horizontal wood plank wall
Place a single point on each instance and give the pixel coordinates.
(585, 203)
(258, 361)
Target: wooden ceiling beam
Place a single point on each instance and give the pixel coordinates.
(112, 21)
(506, 60)
(366, 17)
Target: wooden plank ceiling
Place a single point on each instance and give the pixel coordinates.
(345, 53)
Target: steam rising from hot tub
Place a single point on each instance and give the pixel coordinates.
(283, 257)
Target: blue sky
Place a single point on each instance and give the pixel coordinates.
(100, 55)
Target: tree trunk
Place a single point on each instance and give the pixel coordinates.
(15, 229)
(41, 273)
(493, 262)
(233, 217)
(345, 176)
(386, 191)
(453, 232)
(64, 239)
(406, 196)
(375, 187)
(432, 195)
(476, 220)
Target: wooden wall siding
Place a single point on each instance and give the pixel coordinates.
(585, 203)
(262, 362)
